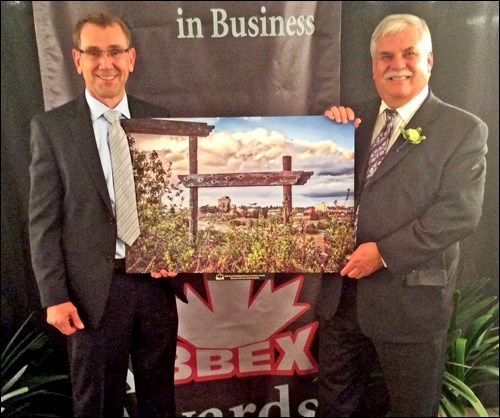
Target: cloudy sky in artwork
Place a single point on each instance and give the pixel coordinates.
(256, 144)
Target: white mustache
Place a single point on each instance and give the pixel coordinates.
(393, 74)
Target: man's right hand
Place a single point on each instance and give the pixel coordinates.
(163, 273)
(65, 318)
(342, 114)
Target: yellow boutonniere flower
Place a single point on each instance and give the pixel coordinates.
(413, 135)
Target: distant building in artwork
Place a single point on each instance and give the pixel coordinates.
(320, 207)
(224, 204)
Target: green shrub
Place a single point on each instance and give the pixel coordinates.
(27, 390)
(472, 356)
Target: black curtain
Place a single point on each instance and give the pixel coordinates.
(21, 99)
(465, 36)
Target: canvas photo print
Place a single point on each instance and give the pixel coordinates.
(242, 197)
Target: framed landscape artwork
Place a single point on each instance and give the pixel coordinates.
(242, 197)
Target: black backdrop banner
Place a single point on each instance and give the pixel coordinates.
(208, 58)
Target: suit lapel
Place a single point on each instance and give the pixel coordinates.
(84, 138)
(401, 147)
(363, 143)
(137, 108)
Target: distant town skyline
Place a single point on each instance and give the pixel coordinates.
(336, 203)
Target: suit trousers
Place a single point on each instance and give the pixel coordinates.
(139, 324)
(412, 372)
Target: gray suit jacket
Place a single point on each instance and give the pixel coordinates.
(71, 222)
(422, 200)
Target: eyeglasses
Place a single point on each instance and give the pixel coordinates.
(95, 54)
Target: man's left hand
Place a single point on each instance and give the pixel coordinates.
(363, 261)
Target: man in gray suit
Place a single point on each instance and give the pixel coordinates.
(77, 257)
(393, 303)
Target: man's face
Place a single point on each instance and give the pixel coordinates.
(105, 74)
(401, 67)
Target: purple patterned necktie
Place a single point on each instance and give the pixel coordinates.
(379, 145)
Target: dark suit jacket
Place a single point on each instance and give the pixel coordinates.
(72, 226)
(422, 200)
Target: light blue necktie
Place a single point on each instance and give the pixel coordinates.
(127, 220)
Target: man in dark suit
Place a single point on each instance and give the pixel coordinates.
(393, 303)
(77, 256)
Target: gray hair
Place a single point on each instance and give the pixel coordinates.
(397, 23)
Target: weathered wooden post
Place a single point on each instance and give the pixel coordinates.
(193, 191)
(287, 190)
